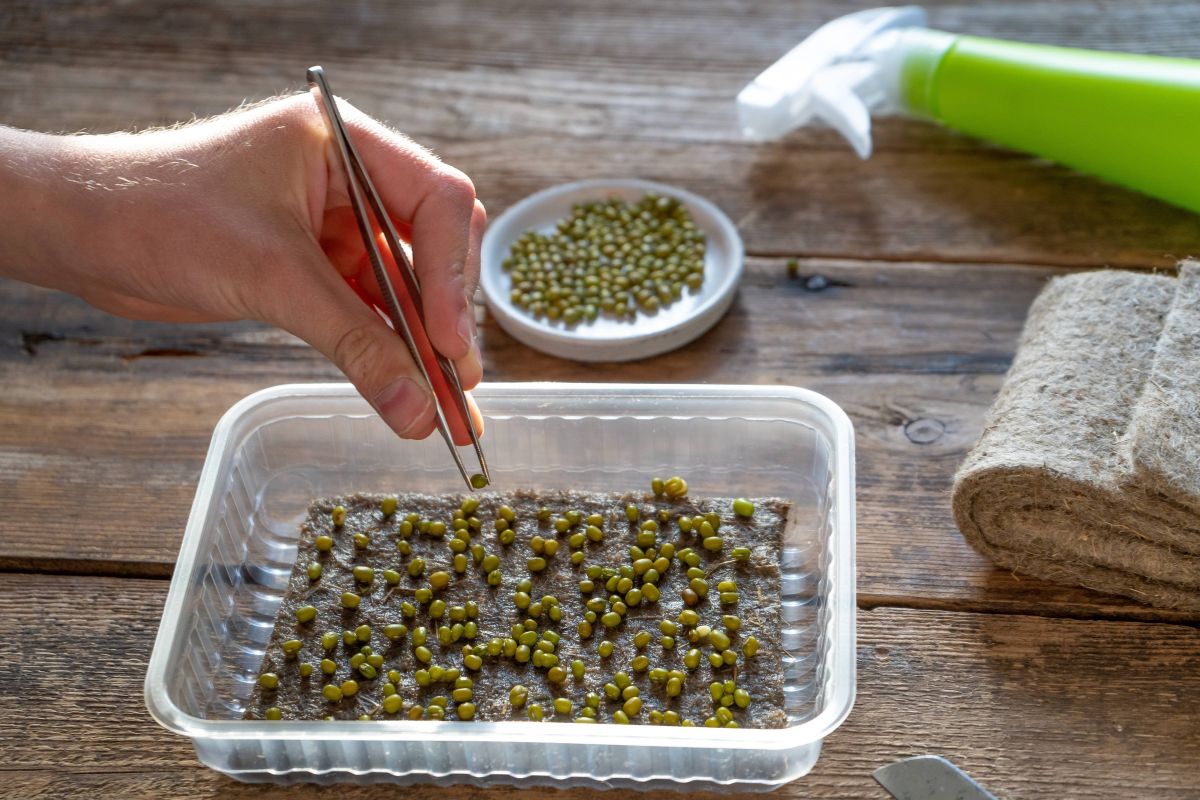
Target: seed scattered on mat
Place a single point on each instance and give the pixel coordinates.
(464, 608)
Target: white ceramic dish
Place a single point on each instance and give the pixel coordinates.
(608, 339)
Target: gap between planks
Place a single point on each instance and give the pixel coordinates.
(934, 260)
(874, 602)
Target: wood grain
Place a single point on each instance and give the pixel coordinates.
(1030, 707)
(522, 99)
(114, 416)
(916, 270)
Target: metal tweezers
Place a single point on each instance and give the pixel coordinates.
(411, 325)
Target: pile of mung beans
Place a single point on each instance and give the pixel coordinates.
(609, 591)
(608, 257)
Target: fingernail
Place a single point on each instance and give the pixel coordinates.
(475, 357)
(403, 405)
(466, 326)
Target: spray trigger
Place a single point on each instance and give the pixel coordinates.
(838, 75)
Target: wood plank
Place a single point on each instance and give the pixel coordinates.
(707, 36)
(114, 416)
(582, 56)
(787, 199)
(1030, 707)
(521, 99)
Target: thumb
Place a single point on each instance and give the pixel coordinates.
(326, 313)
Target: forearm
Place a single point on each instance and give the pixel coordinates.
(48, 220)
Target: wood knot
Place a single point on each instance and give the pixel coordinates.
(816, 283)
(30, 340)
(924, 430)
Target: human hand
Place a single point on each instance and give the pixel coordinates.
(247, 216)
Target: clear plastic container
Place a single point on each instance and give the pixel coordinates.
(276, 450)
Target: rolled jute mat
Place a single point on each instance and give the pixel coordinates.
(1088, 468)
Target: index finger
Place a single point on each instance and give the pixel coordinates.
(439, 202)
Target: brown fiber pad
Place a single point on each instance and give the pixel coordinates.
(1088, 469)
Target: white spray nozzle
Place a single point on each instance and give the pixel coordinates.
(835, 75)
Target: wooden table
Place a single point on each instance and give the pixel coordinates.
(930, 254)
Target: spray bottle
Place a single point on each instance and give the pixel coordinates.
(1131, 119)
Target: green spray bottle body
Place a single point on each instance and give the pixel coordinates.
(1130, 119)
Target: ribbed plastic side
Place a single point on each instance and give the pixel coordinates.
(327, 761)
(247, 550)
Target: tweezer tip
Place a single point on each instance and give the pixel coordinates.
(483, 467)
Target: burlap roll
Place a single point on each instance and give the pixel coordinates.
(1088, 469)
